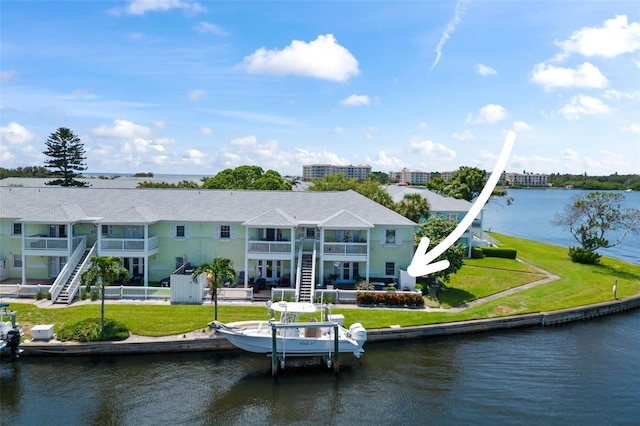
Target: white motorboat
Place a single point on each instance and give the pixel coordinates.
(10, 333)
(292, 337)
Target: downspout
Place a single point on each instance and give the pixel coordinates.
(146, 255)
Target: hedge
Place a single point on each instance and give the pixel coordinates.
(505, 253)
(399, 299)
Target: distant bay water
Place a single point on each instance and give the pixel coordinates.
(532, 212)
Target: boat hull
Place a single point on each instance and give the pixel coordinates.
(289, 341)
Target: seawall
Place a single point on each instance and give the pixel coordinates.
(201, 342)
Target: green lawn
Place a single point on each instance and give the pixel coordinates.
(578, 285)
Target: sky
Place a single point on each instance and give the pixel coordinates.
(196, 87)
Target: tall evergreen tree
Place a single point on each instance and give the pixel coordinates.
(66, 153)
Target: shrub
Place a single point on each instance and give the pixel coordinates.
(39, 295)
(505, 253)
(364, 298)
(364, 285)
(580, 255)
(476, 253)
(88, 330)
(94, 295)
(414, 300)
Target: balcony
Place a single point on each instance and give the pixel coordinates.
(345, 249)
(269, 247)
(42, 245)
(128, 247)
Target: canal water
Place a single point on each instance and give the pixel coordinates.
(576, 374)
(580, 373)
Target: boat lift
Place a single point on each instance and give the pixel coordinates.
(332, 358)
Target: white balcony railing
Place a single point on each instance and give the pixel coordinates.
(128, 244)
(345, 248)
(269, 247)
(44, 243)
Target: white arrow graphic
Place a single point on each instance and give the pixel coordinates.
(421, 263)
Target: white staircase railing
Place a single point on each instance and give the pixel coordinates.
(67, 270)
(299, 273)
(75, 284)
(312, 290)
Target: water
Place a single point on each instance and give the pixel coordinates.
(533, 210)
(580, 373)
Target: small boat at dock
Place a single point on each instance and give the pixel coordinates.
(289, 336)
(10, 332)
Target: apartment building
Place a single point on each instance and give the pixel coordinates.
(318, 171)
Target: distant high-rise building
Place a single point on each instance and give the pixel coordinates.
(410, 177)
(318, 171)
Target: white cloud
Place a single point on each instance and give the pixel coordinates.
(614, 38)
(15, 134)
(490, 113)
(633, 128)
(617, 94)
(521, 126)
(194, 156)
(140, 7)
(384, 162)
(122, 129)
(245, 141)
(451, 27)
(196, 94)
(583, 105)
(207, 27)
(205, 131)
(423, 125)
(465, 135)
(321, 58)
(7, 75)
(569, 154)
(160, 124)
(339, 130)
(141, 146)
(484, 70)
(585, 76)
(355, 100)
(435, 151)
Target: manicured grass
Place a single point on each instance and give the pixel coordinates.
(578, 285)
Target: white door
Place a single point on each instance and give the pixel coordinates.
(56, 264)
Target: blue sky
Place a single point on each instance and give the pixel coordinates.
(185, 87)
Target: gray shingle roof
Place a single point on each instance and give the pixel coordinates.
(183, 205)
(437, 203)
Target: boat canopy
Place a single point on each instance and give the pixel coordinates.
(294, 307)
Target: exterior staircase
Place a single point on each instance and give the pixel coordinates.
(306, 279)
(63, 298)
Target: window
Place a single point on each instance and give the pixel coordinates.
(107, 230)
(180, 231)
(390, 269)
(225, 232)
(390, 236)
(17, 261)
(17, 229)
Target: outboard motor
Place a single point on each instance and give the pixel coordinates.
(359, 334)
(13, 342)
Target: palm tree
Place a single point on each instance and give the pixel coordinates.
(216, 272)
(413, 206)
(104, 270)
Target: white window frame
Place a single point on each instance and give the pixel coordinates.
(225, 232)
(13, 229)
(387, 235)
(16, 261)
(386, 270)
(107, 228)
(174, 231)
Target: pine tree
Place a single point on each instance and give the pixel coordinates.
(66, 153)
